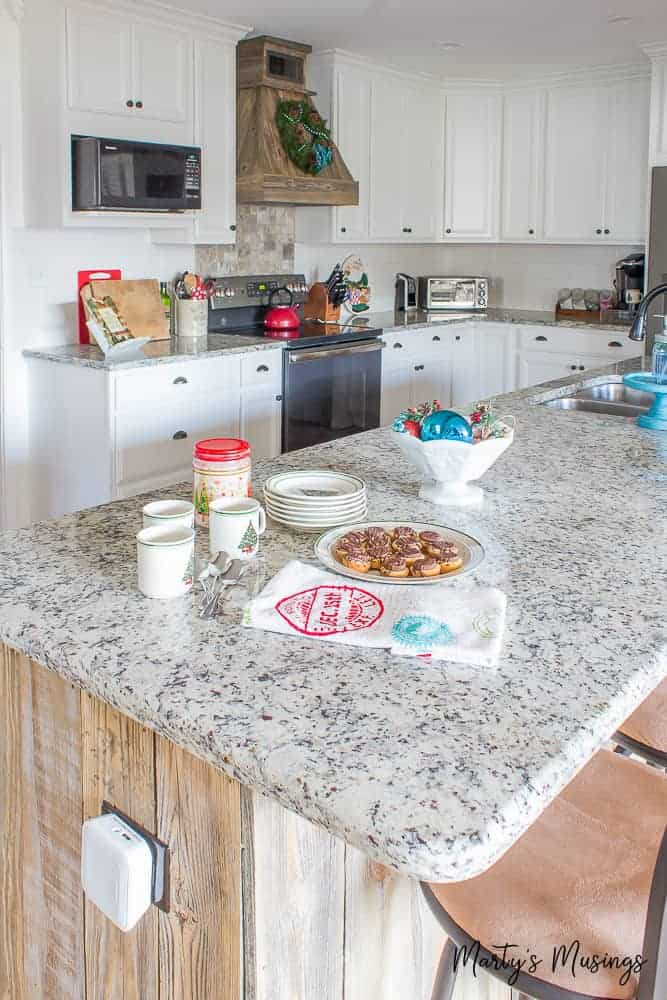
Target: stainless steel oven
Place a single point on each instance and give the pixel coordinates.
(330, 392)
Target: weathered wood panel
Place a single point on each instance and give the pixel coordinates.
(299, 907)
(119, 766)
(199, 816)
(392, 941)
(40, 832)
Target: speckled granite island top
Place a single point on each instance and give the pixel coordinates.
(432, 768)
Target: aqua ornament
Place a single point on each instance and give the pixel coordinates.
(446, 425)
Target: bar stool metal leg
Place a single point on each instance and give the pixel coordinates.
(445, 978)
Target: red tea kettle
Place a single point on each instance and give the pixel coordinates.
(281, 321)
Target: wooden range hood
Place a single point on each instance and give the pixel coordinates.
(270, 70)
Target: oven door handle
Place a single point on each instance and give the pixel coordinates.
(297, 357)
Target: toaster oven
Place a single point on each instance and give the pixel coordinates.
(440, 293)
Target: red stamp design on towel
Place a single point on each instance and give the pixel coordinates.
(327, 610)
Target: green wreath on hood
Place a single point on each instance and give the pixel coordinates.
(304, 135)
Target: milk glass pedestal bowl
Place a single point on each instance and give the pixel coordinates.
(450, 466)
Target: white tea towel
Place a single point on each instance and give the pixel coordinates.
(465, 626)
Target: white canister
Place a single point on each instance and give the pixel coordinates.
(169, 513)
(165, 560)
(234, 526)
(221, 468)
(191, 318)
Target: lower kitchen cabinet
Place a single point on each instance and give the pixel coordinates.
(98, 435)
(535, 367)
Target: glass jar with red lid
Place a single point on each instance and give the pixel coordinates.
(221, 468)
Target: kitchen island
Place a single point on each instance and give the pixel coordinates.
(291, 778)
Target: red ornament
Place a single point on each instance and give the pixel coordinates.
(412, 427)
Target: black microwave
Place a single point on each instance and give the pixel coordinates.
(120, 175)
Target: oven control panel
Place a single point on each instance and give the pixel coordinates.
(235, 291)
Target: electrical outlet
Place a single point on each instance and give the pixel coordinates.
(123, 867)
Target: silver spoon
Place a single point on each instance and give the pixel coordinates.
(216, 568)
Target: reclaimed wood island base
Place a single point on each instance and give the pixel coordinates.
(262, 904)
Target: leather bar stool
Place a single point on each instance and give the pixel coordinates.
(592, 869)
(645, 732)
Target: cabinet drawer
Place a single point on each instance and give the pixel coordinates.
(613, 342)
(262, 367)
(176, 383)
(156, 441)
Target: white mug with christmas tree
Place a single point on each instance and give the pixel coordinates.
(234, 526)
(166, 560)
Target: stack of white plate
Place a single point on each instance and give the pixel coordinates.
(313, 501)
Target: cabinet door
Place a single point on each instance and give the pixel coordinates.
(536, 367)
(162, 73)
(352, 129)
(471, 166)
(261, 419)
(496, 361)
(627, 162)
(395, 389)
(577, 126)
(465, 367)
(215, 132)
(421, 151)
(99, 76)
(522, 166)
(385, 193)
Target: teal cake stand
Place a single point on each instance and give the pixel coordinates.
(656, 418)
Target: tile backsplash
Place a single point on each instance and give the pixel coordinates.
(264, 244)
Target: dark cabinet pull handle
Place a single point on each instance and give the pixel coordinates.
(180, 435)
(607, 231)
(458, 336)
(233, 228)
(582, 368)
(541, 338)
(531, 232)
(448, 230)
(614, 343)
(407, 229)
(129, 104)
(278, 398)
(396, 344)
(140, 104)
(343, 229)
(599, 232)
(436, 337)
(573, 367)
(181, 380)
(419, 368)
(262, 368)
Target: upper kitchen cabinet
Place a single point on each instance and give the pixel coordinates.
(596, 162)
(140, 71)
(405, 162)
(657, 53)
(522, 169)
(146, 72)
(472, 153)
(351, 121)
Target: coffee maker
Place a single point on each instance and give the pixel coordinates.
(629, 282)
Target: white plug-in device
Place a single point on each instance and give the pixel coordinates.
(122, 868)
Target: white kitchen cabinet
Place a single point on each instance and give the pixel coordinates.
(421, 151)
(627, 162)
(385, 192)
(596, 162)
(535, 367)
(352, 128)
(465, 369)
(657, 53)
(99, 61)
(261, 402)
(496, 360)
(215, 132)
(522, 166)
(546, 353)
(139, 70)
(577, 125)
(472, 123)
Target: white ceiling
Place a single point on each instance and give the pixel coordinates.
(500, 38)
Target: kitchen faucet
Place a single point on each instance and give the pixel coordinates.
(638, 328)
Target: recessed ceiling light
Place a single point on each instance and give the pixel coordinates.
(448, 46)
(619, 19)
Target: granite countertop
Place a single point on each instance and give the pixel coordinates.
(432, 768)
(160, 352)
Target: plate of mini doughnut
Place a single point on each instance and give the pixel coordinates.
(413, 553)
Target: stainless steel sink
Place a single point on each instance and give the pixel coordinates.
(609, 397)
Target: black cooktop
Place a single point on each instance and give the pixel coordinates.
(310, 333)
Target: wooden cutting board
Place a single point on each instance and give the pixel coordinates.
(139, 304)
